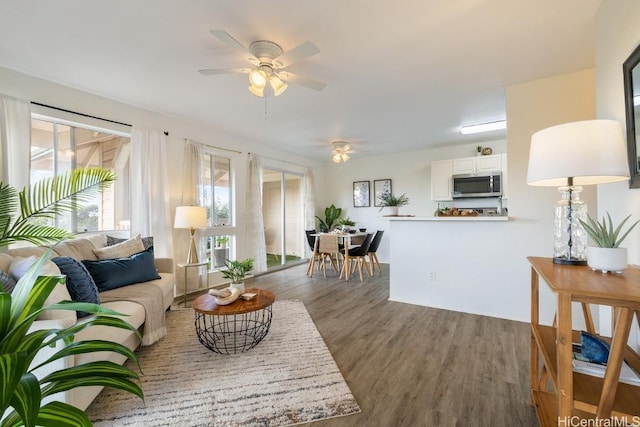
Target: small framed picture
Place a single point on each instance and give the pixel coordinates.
(361, 194)
(380, 186)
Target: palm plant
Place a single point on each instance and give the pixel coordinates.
(331, 214)
(46, 200)
(236, 270)
(21, 391)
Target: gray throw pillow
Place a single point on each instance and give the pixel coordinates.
(7, 282)
(146, 241)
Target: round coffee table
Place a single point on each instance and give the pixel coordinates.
(233, 328)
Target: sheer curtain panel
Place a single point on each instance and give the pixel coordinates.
(15, 141)
(191, 194)
(309, 204)
(150, 214)
(256, 246)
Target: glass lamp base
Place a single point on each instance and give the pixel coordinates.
(566, 261)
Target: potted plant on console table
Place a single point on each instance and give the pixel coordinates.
(607, 255)
(236, 272)
(390, 203)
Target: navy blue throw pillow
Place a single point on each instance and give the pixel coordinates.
(80, 285)
(115, 273)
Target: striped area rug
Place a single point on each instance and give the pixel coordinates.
(289, 378)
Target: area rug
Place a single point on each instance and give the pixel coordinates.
(289, 378)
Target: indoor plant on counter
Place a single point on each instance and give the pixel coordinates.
(607, 255)
(236, 272)
(390, 203)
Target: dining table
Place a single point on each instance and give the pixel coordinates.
(346, 240)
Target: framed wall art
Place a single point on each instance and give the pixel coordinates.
(380, 186)
(361, 194)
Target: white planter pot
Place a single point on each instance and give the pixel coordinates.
(607, 259)
(390, 210)
(237, 286)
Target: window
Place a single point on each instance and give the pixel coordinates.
(216, 196)
(57, 147)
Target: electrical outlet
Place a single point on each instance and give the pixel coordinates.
(432, 276)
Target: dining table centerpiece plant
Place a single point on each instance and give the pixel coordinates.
(23, 218)
(391, 203)
(346, 223)
(236, 271)
(331, 214)
(607, 255)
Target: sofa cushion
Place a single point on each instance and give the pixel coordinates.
(7, 282)
(115, 273)
(147, 242)
(19, 267)
(67, 317)
(121, 250)
(77, 248)
(79, 282)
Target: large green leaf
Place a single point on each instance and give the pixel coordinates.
(12, 367)
(54, 414)
(27, 398)
(91, 346)
(5, 313)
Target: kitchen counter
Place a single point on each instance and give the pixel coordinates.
(448, 218)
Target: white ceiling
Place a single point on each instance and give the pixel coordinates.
(401, 75)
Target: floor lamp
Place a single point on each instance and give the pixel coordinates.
(191, 217)
(569, 156)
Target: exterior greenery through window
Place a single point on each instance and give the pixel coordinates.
(216, 196)
(58, 146)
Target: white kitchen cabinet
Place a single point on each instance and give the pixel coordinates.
(441, 171)
(464, 165)
(492, 163)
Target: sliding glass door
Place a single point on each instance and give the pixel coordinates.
(282, 211)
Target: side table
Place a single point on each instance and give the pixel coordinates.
(233, 328)
(186, 267)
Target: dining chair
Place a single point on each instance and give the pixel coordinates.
(373, 248)
(315, 256)
(328, 250)
(356, 257)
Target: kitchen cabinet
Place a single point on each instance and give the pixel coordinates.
(492, 163)
(441, 172)
(560, 395)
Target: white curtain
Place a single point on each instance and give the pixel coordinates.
(256, 245)
(191, 195)
(15, 141)
(309, 205)
(150, 189)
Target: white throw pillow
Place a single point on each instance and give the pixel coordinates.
(121, 250)
(20, 265)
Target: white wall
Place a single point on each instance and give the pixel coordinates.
(33, 89)
(617, 35)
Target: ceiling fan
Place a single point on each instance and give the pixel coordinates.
(267, 76)
(340, 151)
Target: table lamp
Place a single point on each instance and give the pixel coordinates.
(191, 217)
(570, 155)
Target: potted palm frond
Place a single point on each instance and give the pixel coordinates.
(391, 203)
(21, 341)
(236, 272)
(607, 255)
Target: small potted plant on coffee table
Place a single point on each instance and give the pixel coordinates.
(607, 255)
(236, 272)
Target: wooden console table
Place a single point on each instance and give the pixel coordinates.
(574, 394)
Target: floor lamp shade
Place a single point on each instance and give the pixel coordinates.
(568, 156)
(191, 217)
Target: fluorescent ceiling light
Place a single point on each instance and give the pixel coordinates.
(484, 127)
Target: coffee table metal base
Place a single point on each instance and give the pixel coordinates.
(229, 334)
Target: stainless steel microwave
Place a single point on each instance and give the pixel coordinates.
(485, 184)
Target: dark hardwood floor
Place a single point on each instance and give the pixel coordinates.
(409, 365)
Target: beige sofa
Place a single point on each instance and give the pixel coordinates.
(82, 249)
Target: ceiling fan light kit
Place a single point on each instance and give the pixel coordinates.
(340, 152)
(267, 77)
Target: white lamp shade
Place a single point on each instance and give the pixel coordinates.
(591, 151)
(190, 217)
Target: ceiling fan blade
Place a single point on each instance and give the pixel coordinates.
(227, 39)
(303, 51)
(302, 81)
(210, 71)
